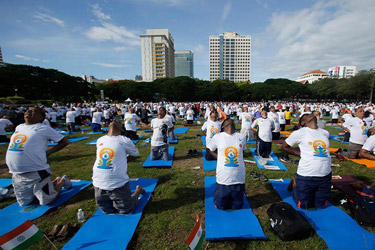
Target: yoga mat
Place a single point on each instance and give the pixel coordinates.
(175, 141)
(271, 165)
(5, 182)
(332, 224)
(112, 231)
(13, 215)
(208, 165)
(181, 130)
(140, 138)
(160, 163)
(229, 225)
(189, 125)
(148, 130)
(203, 138)
(92, 142)
(3, 143)
(336, 138)
(366, 162)
(343, 184)
(337, 127)
(71, 140)
(9, 133)
(66, 132)
(251, 141)
(95, 133)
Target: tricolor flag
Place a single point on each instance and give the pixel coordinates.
(21, 237)
(195, 239)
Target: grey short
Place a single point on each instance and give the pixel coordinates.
(353, 150)
(32, 186)
(118, 200)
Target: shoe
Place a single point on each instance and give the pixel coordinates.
(195, 152)
(66, 231)
(68, 184)
(190, 152)
(55, 230)
(286, 159)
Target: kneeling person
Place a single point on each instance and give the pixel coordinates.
(230, 168)
(159, 139)
(110, 178)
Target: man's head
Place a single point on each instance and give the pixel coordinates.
(161, 112)
(272, 109)
(263, 113)
(245, 109)
(115, 128)
(130, 111)
(359, 112)
(213, 115)
(34, 115)
(306, 119)
(228, 126)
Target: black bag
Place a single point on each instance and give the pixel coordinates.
(287, 223)
(362, 209)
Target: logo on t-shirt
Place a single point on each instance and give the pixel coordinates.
(129, 121)
(213, 131)
(18, 142)
(231, 157)
(247, 118)
(320, 148)
(276, 120)
(364, 130)
(106, 156)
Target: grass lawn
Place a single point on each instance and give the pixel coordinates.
(169, 216)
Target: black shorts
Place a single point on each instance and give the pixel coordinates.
(229, 196)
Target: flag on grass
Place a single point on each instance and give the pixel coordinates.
(195, 238)
(21, 237)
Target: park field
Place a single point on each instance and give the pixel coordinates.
(169, 216)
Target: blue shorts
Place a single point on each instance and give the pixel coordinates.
(229, 196)
(96, 127)
(312, 192)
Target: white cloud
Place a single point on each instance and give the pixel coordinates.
(122, 48)
(199, 48)
(26, 58)
(98, 12)
(327, 34)
(262, 3)
(226, 10)
(109, 65)
(49, 19)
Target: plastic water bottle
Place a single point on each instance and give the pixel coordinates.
(80, 216)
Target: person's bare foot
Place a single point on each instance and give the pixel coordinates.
(139, 190)
(291, 185)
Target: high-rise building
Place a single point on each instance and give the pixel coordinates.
(230, 57)
(157, 54)
(342, 71)
(312, 76)
(2, 64)
(184, 63)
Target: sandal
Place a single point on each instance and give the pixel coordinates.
(254, 176)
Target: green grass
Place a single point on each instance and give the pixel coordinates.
(169, 216)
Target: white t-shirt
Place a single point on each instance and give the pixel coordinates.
(70, 116)
(111, 165)
(27, 147)
(170, 120)
(130, 120)
(347, 117)
(189, 114)
(247, 120)
(314, 145)
(265, 127)
(334, 113)
(106, 114)
(230, 168)
(369, 144)
(158, 138)
(281, 117)
(212, 128)
(358, 130)
(53, 116)
(275, 118)
(3, 124)
(97, 117)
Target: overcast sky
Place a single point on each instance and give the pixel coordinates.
(101, 38)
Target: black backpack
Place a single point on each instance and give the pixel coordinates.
(362, 209)
(287, 223)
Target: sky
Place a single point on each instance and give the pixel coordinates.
(102, 38)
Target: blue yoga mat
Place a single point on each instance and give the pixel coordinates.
(229, 225)
(208, 165)
(92, 142)
(66, 132)
(71, 140)
(251, 141)
(336, 138)
(95, 133)
(113, 231)
(140, 138)
(13, 215)
(5, 182)
(337, 127)
(3, 143)
(148, 130)
(160, 163)
(203, 138)
(181, 130)
(270, 164)
(175, 141)
(332, 224)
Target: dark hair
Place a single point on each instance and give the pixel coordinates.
(225, 122)
(301, 118)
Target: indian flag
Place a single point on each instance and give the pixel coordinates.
(195, 239)
(21, 237)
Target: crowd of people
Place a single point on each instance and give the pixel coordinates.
(34, 127)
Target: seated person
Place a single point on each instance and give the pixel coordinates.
(263, 126)
(110, 178)
(159, 139)
(212, 127)
(313, 182)
(368, 147)
(27, 160)
(130, 124)
(4, 123)
(230, 168)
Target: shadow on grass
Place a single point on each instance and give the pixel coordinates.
(262, 199)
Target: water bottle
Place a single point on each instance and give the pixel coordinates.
(80, 216)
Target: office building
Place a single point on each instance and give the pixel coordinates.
(184, 63)
(157, 54)
(312, 76)
(342, 71)
(230, 57)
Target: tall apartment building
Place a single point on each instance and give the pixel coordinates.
(184, 63)
(2, 64)
(157, 54)
(230, 57)
(342, 71)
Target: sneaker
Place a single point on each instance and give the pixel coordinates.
(68, 184)
(286, 159)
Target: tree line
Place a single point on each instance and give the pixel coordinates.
(34, 83)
